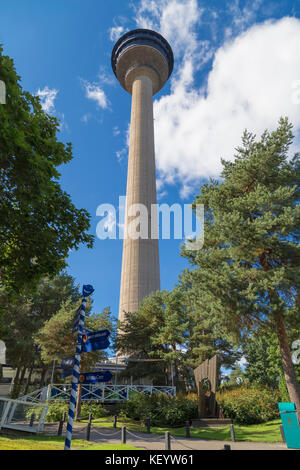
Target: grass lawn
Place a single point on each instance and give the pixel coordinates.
(55, 443)
(266, 432)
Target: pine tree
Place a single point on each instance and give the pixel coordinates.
(157, 331)
(248, 269)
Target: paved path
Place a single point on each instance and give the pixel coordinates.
(157, 441)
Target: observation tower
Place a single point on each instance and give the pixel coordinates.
(142, 61)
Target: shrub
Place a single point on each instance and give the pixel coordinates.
(161, 409)
(249, 404)
(56, 410)
(96, 409)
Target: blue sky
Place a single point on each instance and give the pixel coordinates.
(236, 66)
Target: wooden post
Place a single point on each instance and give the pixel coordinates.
(187, 429)
(88, 429)
(61, 424)
(148, 425)
(115, 421)
(123, 435)
(232, 433)
(167, 440)
(282, 434)
(32, 418)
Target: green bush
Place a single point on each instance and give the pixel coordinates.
(56, 410)
(249, 404)
(161, 409)
(96, 409)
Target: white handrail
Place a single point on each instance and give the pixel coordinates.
(95, 392)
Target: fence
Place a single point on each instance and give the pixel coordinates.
(102, 392)
(123, 434)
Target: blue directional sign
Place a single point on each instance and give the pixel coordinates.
(95, 377)
(95, 340)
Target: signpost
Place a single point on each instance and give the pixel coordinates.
(86, 341)
(79, 325)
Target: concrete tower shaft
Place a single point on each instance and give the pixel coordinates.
(142, 61)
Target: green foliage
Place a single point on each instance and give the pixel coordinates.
(95, 409)
(39, 224)
(161, 409)
(57, 341)
(56, 410)
(27, 314)
(249, 404)
(284, 394)
(155, 331)
(263, 360)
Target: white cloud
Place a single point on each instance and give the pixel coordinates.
(94, 92)
(116, 131)
(120, 154)
(249, 86)
(47, 97)
(115, 32)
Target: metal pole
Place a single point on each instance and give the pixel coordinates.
(87, 290)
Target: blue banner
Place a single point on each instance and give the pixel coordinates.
(95, 377)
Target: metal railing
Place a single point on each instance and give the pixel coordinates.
(22, 415)
(102, 392)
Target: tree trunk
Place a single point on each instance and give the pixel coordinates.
(23, 375)
(287, 364)
(15, 383)
(28, 381)
(43, 376)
